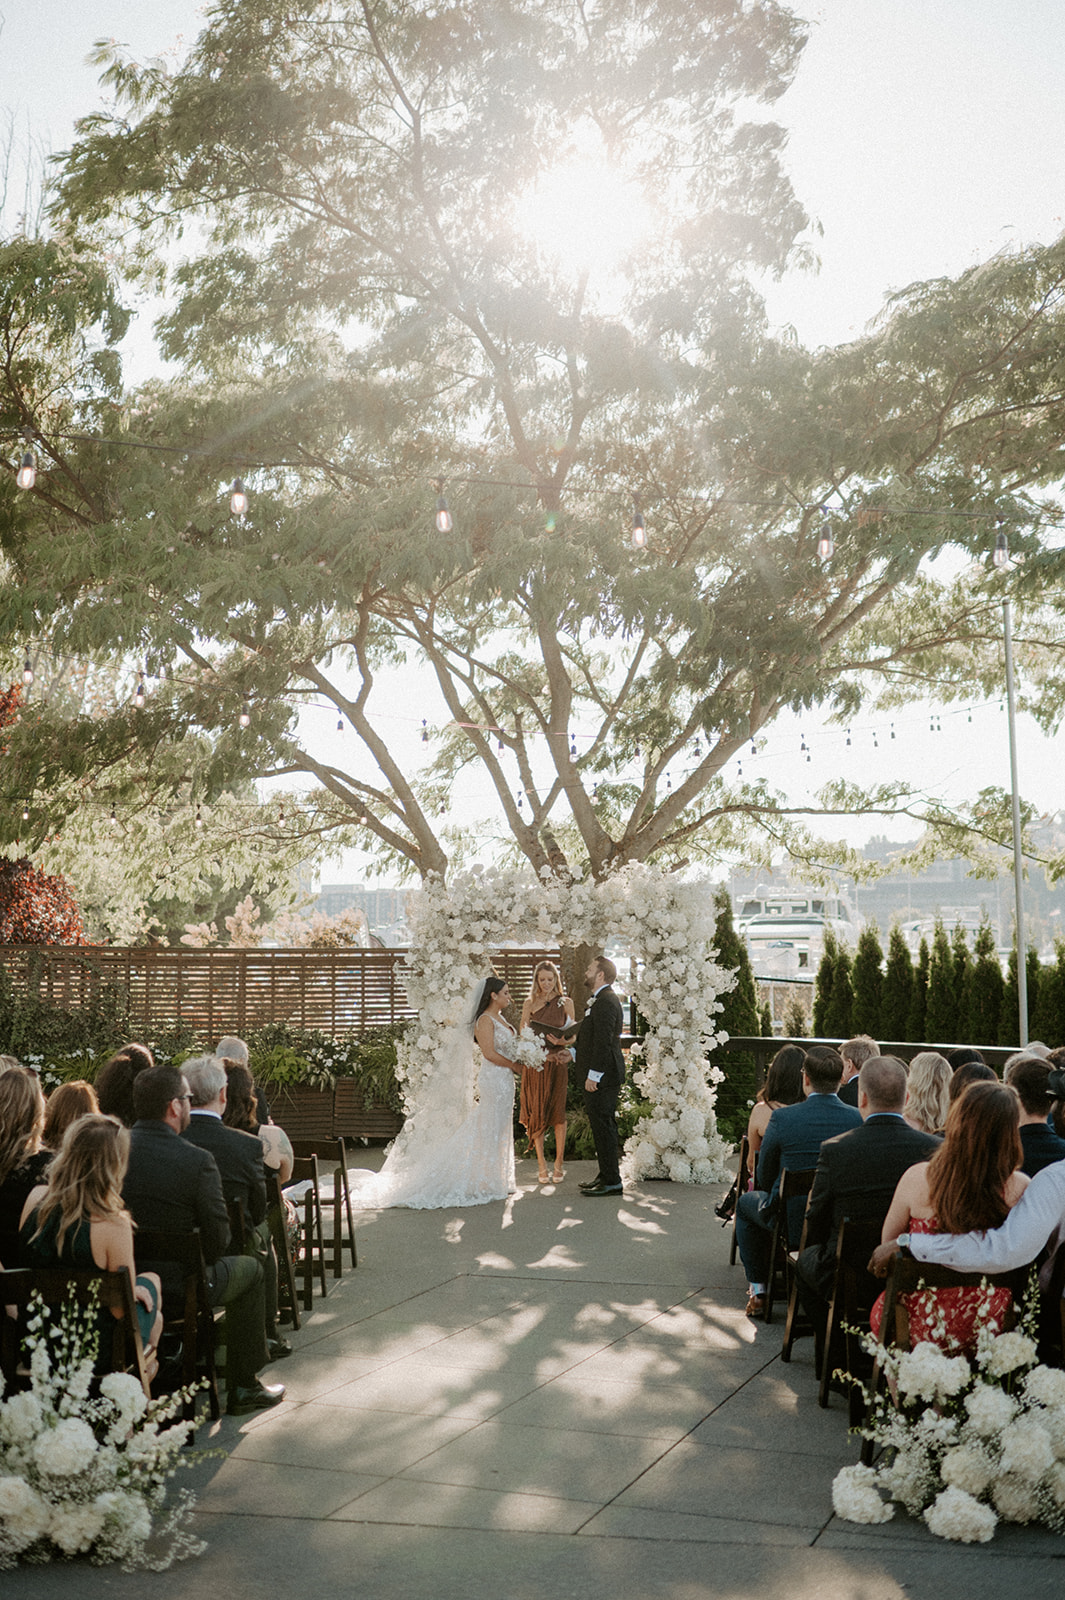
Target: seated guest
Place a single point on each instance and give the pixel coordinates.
(173, 1186)
(1056, 1085)
(64, 1106)
(239, 1157)
(114, 1081)
(77, 1218)
(793, 1139)
(856, 1177)
(963, 1053)
(928, 1091)
(970, 1072)
(7, 1062)
(972, 1181)
(22, 1161)
(231, 1049)
(242, 1112)
(782, 1087)
(1030, 1077)
(855, 1053)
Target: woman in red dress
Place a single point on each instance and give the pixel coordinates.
(971, 1181)
(543, 1094)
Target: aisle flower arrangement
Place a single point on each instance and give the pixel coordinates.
(970, 1444)
(664, 920)
(85, 1475)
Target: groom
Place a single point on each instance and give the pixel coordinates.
(602, 1066)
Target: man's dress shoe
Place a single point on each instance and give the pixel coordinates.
(603, 1188)
(278, 1348)
(257, 1396)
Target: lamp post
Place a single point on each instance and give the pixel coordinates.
(1001, 558)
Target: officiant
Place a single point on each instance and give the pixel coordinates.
(543, 1094)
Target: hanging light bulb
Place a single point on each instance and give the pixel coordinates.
(572, 749)
(27, 672)
(245, 714)
(500, 746)
(25, 813)
(826, 544)
(425, 732)
(113, 819)
(444, 523)
(26, 476)
(238, 498)
(198, 819)
(280, 815)
(848, 736)
(638, 538)
(340, 724)
(1001, 553)
(140, 694)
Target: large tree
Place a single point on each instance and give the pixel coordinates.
(330, 196)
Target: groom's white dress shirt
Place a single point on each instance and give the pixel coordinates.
(593, 1077)
(1019, 1240)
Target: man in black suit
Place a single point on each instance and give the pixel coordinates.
(1030, 1075)
(856, 1052)
(174, 1186)
(601, 1065)
(856, 1177)
(239, 1158)
(793, 1140)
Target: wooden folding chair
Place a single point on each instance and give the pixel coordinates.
(288, 1299)
(339, 1202)
(121, 1351)
(197, 1321)
(791, 1329)
(793, 1186)
(849, 1306)
(304, 1187)
(907, 1276)
(741, 1188)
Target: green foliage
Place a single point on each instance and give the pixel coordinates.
(941, 1009)
(840, 1008)
(767, 1021)
(1008, 1032)
(739, 1017)
(797, 1023)
(963, 969)
(867, 980)
(1048, 1014)
(916, 1025)
(983, 995)
(58, 1038)
(823, 985)
(897, 995)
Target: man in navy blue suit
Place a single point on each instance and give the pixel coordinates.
(793, 1139)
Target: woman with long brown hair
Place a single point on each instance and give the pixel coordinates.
(65, 1105)
(971, 1181)
(77, 1218)
(543, 1093)
(22, 1161)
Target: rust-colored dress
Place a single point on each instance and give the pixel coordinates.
(543, 1094)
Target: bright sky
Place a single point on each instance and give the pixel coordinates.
(923, 137)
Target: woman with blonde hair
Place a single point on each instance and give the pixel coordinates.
(928, 1092)
(22, 1161)
(77, 1218)
(543, 1094)
(64, 1106)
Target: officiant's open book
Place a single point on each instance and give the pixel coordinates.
(566, 1030)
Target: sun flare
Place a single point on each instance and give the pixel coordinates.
(585, 214)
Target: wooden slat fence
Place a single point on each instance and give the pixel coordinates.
(342, 992)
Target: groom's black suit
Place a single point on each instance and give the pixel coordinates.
(598, 1049)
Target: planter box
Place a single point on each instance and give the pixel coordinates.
(354, 1119)
(304, 1113)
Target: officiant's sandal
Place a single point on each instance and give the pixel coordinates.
(557, 1176)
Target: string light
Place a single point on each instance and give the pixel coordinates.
(425, 732)
(340, 724)
(848, 736)
(140, 694)
(25, 813)
(826, 544)
(198, 819)
(238, 498)
(572, 750)
(27, 672)
(444, 523)
(26, 476)
(638, 538)
(113, 819)
(1001, 553)
(245, 715)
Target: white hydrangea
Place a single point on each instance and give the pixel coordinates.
(1054, 1483)
(20, 1418)
(75, 1526)
(925, 1373)
(66, 1449)
(1053, 1420)
(856, 1498)
(1000, 1354)
(125, 1392)
(1014, 1498)
(1026, 1450)
(968, 1467)
(125, 1521)
(989, 1410)
(24, 1516)
(1046, 1386)
(957, 1515)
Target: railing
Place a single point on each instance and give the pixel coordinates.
(342, 992)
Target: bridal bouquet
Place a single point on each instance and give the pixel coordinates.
(969, 1444)
(526, 1050)
(81, 1475)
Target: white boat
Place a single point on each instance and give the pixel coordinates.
(785, 928)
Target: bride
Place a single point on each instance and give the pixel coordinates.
(452, 1150)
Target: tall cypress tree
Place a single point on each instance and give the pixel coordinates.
(1009, 1018)
(915, 1023)
(963, 969)
(1048, 1016)
(739, 1016)
(897, 995)
(867, 981)
(840, 1006)
(941, 1010)
(984, 996)
(823, 983)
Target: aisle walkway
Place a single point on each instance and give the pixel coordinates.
(557, 1398)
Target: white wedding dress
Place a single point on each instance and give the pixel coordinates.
(435, 1163)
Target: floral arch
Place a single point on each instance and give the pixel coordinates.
(667, 922)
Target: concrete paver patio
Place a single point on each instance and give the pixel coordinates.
(553, 1398)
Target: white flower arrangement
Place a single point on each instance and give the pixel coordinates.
(667, 921)
(961, 1451)
(527, 1051)
(88, 1476)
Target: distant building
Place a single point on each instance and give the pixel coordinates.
(384, 906)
